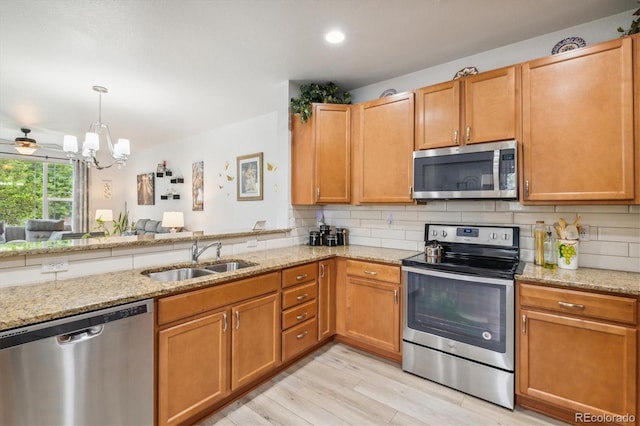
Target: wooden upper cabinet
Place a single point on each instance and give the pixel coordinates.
(475, 109)
(321, 156)
(578, 125)
(383, 159)
(636, 97)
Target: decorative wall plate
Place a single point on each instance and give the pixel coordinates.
(466, 71)
(388, 92)
(568, 43)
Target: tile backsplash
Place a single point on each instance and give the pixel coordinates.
(614, 231)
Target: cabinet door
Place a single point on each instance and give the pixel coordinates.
(321, 156)
(386, 149)
(327, 299)
(582, 365)
(373, 313)
(578, 125)
(192, 367)
(255, 342)
(438, 115)
(490, 106)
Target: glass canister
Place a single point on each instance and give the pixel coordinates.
(332, 240)
(550, 249)
(314, 238)
(539, 236)
(341, 233)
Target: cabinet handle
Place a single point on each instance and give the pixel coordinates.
(455, 137)
(526, 187)
(370, 272)
(301, 335)
(468, 130)
(301, 277)
(317, 193)
(411, 191)
(302, 297)
(303, 316)
(571, 305)
(395, 296)
(224, 319)
(524, 324)
(322, 270)
(237, 320)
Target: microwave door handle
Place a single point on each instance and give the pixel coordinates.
(496, 172)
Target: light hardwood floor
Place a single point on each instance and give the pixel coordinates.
(339, 385)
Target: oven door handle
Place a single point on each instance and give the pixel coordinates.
(459, 277)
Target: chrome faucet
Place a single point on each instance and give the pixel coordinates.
(195, 253)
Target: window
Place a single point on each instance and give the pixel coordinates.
(35, 190)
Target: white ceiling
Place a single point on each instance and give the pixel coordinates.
(181, 67)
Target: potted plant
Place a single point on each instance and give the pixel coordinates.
(634, 28)
(314, 92)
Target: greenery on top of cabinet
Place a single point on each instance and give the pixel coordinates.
(318, 93)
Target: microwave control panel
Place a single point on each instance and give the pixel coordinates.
(507, 169)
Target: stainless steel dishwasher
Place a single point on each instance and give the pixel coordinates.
(89, 369)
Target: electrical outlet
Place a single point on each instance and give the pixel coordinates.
(390, 218)
(55, 265)
(584, 233)
(253, 242)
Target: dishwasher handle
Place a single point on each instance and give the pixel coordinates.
(80, 335)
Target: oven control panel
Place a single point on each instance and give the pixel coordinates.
(486, 235)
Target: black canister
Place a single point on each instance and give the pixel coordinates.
(325, 230)
(314, 238)
(332, 240)
(341, 233)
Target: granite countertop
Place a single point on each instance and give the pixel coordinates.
(34, 303)
(584, 278)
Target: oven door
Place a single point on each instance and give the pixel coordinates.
(467, 316)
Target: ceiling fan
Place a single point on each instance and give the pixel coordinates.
(25, 145)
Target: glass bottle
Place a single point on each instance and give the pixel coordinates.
(550, 248)
(539, 235)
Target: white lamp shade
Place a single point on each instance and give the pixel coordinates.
(91, 141)
(172, 219)
(70, 143)
(105, 215)
(123, 147)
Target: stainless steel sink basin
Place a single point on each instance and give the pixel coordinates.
(179, 274)
(228, 266)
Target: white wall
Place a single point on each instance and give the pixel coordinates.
(219, 149)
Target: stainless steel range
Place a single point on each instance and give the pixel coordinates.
(458, 325)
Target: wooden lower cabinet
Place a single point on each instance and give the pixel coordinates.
(212, 342)
(299, 309)
(255, 339)
(368, 306)
(572, 361)
(192, 367)
(326, 299)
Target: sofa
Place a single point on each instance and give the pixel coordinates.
(34, 230)
(149, 226)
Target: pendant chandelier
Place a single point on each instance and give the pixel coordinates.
(97, 131)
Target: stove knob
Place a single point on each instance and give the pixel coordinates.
(493, 236)
(444, 234)
(434, 233)
(506, 237)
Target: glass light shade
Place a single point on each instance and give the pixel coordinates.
(123, 147)
(173, 220)
(105, 215)
(25, 150)
(91, 141)
(70, 143)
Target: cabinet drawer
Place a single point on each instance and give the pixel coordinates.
(298, 338)
(374, 271)
(599, 306)
(299, 314)
(298, 295)
(299, 274)
(184, 305)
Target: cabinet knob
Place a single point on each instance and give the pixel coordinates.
(301, 335)
(301, 277)
(455, 137)
(302, 297)
(468, 131)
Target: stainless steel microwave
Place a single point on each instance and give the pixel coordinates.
(485, 170)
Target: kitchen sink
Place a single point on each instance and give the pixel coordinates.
(179, 274)
(228, 266)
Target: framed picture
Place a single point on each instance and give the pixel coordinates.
(146, 189)
(250, 177)
(106, 189)
(197, 189)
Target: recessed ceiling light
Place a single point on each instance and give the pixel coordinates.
(334, 37)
